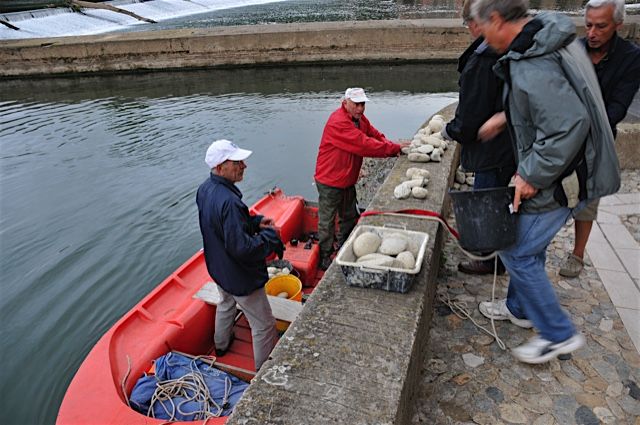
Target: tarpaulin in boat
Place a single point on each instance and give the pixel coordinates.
(186, 389)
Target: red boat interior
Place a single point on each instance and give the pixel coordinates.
(170, 319)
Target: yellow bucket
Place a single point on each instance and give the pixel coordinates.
(285, 283)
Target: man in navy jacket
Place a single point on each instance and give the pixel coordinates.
(489, 156)
(235, 247)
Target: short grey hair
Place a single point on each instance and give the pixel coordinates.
(510, 10)
(618, 8)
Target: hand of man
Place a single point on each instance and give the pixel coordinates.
(523, 191)
(279, 250)
(403, 144)
(267, 222)
(492, 127)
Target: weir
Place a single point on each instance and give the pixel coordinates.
(63, 21)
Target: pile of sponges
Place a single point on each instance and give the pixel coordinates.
(391, 250)
(428, 144)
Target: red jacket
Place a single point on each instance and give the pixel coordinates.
(343, 146)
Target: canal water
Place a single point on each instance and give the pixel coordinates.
(97, 185)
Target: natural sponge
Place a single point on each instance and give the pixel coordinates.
(366, 243)
(393, 245)
(407, 259)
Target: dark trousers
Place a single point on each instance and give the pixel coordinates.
(495, 177)
(332, 201)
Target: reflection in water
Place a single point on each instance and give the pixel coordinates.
(97, 182)
(269, 80)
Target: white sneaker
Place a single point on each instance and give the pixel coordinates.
(539, 350)
(499, 311)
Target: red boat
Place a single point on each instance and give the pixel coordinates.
(170, 319)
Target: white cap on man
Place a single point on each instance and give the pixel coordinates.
(356, 94)
(223, 150)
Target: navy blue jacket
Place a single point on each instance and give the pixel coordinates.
(619, 77)
(480, 98)
(235, 247)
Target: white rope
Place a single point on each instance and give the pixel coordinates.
(124, 381)
(461, 309)
(193, 388)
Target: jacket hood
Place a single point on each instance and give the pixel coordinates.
(556, 32)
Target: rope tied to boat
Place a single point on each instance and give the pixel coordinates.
(192, 387)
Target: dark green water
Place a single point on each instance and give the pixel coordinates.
(97, 184)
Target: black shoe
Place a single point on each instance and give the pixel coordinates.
(220, 353)
(325, 263)
(479, 267)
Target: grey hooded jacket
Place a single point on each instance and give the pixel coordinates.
(554, 105)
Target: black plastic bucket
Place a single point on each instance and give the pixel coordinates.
(484, 219)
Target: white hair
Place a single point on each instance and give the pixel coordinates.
(618, 8)
(509, 10)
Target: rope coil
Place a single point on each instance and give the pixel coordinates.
(193, 388)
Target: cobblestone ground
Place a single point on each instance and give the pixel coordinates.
(467, 378)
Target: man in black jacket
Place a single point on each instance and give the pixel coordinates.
(617, 65)
(235, 247)
(491, 159)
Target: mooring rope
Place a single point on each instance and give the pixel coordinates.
(124, 381)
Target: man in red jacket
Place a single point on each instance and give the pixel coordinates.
(348, 137)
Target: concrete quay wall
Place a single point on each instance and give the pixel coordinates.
(256, 45)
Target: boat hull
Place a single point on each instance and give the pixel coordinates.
(170, 319)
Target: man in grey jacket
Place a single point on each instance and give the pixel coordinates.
(565, 156)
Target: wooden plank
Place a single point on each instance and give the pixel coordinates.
(239, 372)
(209, 293)
(282, 309)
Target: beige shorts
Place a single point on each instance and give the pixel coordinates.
(588, 213)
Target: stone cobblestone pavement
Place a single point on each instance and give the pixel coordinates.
(467, 378)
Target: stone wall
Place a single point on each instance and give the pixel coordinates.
(257, 45)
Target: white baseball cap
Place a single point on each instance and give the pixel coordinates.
(223, 150)
(356, 94)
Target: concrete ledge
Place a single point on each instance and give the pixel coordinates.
(628, 145)
(354, 355)
(255, 45)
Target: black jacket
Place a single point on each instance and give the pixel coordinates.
(480, 98)
(619, 77)
(235, 247)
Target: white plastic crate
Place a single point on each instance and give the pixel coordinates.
(392, 279)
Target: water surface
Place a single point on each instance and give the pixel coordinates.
(97, 185)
